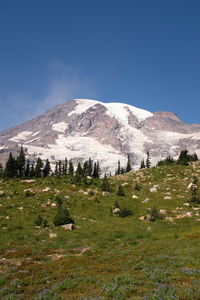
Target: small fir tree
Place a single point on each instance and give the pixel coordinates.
(20, 162)
(128, 166)
(71, 168)
(47, 168)
(105, 184)
(120, 191)
(142, 165)
(11, 167)
(148, 160)
(38, 168)
(90, 167)
(27, 169)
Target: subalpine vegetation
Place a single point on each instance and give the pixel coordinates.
(136, 235)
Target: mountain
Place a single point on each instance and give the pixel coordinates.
(107, 132)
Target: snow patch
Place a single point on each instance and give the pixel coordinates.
(83, 106)
(60, 127)
(21, 136)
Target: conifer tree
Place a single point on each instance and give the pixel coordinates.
(90, 167)
(21, 160)
(38, 167)
(65, 167)
(128, 166)
(79, 170)
(142, 165)
(47, 168)
(32, 170)
(105, 184)
(120, 191)
(1, 170)
(11, 167)
(27, 169)
(60, 167)
(148, 160)
(85, 168)
(71, 168)
(184, 158)
(119, 168)
(98, 170)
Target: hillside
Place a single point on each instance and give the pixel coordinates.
(105, 256)
(107, 132)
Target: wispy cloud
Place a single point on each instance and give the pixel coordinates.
(64, 83)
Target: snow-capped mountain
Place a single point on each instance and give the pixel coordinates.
(107, 132)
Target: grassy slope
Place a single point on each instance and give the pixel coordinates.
(106, 257)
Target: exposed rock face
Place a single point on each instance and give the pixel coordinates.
(107, 132)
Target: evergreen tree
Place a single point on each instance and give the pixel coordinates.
(47, 168)
(105, 184)
(27, 169)
(90, 167)
(85, 168)
(79, 170)
(32, 170)
(95, 174)
(99, 170)
(11, 167)
(128, 166)
(1, 170)
(142, 165)
(118, 168)
(65, 167)
(122, 170)
(120, 191)
(184, 158)
(21, 160)
(38, 167)
(56, 169)
(148, 160)
(71, 168)
(60, 167)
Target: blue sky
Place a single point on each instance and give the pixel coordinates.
(145, 53)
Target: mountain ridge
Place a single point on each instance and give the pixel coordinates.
(83, 128)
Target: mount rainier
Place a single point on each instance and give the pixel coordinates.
(106, 132)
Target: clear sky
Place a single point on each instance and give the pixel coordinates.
(142, 52)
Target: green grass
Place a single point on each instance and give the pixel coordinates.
(105, 257)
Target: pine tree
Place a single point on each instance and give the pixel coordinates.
(65, 167)
(128, 166)
(184, 158)
(119, 168)
(148, 160)
(1, 170)
(105, 184)
(56, 169)
(21, 160)
(79, 170)
(38, 167)
(11, 167)
(60, 167)
(27, 169)
(47, 168)
(142, 165)
(85, 168)
(90, 167)
(32, 170)
(99, 170)
(71, 168)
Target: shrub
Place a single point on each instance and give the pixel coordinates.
(125, 212)
(137, 187)
(62, 217)
(155, 215)
(120, 191)
(39, 221)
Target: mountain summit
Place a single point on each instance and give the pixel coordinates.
(82, 128)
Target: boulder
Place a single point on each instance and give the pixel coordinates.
(135, 197)
(69, 226)
(153, 189)
(116, 211)
(2, 193)
(52, 235)
(28, 180)
(29, 192)
(47, 189)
